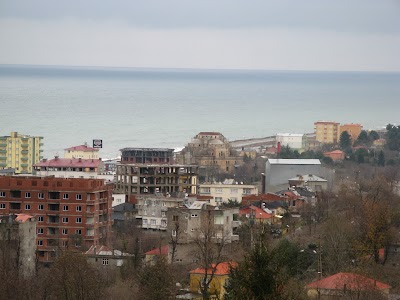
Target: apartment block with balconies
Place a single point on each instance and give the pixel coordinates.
(327, 132)
(20, 152)
(70, 213)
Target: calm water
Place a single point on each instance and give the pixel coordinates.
(166, 108)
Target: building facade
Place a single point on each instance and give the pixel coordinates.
(72, 168)
(353, 129)
(327, 132)
(70, 213)
(292, 140)
(147, 156)
(81, 151)
(210, 150)
(222, 192)
(20, 152)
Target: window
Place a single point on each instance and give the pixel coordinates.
(218, 199)
(40, 230)
(175, 218)
(2, 194)
(27, 206)
(163, 214)
(65, 196)
(65, 208)
(27, 195)
(153, 222)
(40, 243)
(79, 208)
(2, 206)
(163, 204)
(78, 231)
(163, 223)
(144, 221)
(65, 220)
(173, 233)
(40, 219)
(40, 207)
(40, 195)
(218, 190)
(105, 261)
(234, 191)
(78, 220)
(194, 215)
(65, 231)
(78, 197)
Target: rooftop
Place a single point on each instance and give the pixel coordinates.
(349, 280)
(69, 162)
(221, 269)
(156, 251)
(84, 148)
(281, 161)
(146, 149)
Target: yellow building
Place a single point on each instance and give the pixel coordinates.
(353, 129)
(216, 288)
(81, 151)
(327, 132)
(20, 152)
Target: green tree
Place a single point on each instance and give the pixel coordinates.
(381, 158)
(373, 135)
(363, 138)
(345, 140)
(360, 155)
(393, 137)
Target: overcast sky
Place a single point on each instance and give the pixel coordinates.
(349, 35)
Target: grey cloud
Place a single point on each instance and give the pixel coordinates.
(339, 15)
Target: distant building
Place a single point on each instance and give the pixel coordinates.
(336, 155)
(311, 182)
(279, 171)
(353, 129)
(292, 140)
(211, 151)
(327, 132)
(104, 256)
(72, 168)
(148, 156)
(151, 256)
(222, 192)
(18, 242)
(81, 151)
(70, 213)
(347, 286)
(256, 214)
(20, 152)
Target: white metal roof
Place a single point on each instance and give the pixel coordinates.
(282, 161)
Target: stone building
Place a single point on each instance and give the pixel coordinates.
(212, 152)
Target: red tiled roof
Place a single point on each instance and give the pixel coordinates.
(334, 152)
(258, 212)
(352, 282)
(82, 148)
(69, 162)
(22, 218)
(263, 197)
(156, 251)
(222, 269)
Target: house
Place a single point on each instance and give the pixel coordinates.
(222, 192)
(105, 256)
(278, 171)
(256, 214)
(327, 132)
(335, 155)
(292, 140)
(353, 130)
(217, 284)
(342, 285)
(309, 181)
(81, 151)
(152, 255)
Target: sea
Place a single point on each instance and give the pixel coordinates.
(166, 108)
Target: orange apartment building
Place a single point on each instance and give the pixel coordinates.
(71, 212)
(353, 129)
(327, 132)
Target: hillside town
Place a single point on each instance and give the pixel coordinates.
(291, 216)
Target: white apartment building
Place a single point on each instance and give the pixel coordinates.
(228, 190)
(293, 140)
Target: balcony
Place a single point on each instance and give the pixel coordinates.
(234, 237)
(3, 165)
(24, 145)
(24, 165)
(3, 145)
(23, 158)
(25, 152)
(3, 158)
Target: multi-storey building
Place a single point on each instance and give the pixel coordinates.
(18, 243)
(20, 152)
(222, 192)
(81, 151)
(212, 152)
(147, 155)
(70, 212)
(327, 132)
(295, 141)
(135, 179)
(72, 168)
(353, 129)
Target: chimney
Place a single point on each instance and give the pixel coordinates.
(56, 157)
(80, 159)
